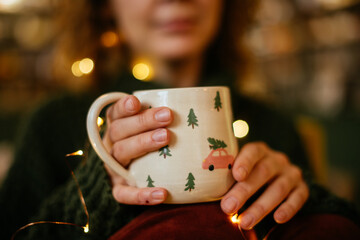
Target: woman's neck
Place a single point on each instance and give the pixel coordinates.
(180, 73)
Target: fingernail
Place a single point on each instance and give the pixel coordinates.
(280, 216)
(246, 221)
(129, 105)
(162, 115)
(160, 135)
(230, 205)
(158, 195)
(241, 172)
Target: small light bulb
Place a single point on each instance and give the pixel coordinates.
(77, 153)
(86, 228)
(235, 218)
(100, 121)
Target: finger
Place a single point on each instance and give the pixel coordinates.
(293, 204)
(138, 196)
(115, 178)
(126, 106)
(242, 191)
(278, 190)
(138, 145)
(248, 157)
(144, 121)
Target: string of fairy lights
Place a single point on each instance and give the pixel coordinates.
(235, 219)
(82, 199)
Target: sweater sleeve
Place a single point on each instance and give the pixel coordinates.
(106, 215)
(38, 167)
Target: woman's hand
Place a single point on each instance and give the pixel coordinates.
(255, 166)
(132, 133)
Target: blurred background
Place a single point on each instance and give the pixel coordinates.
(306, 64)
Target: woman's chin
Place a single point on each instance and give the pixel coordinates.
(177, 51)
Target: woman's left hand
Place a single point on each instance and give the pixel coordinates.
(255, 166)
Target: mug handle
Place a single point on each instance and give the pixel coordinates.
(95, 138)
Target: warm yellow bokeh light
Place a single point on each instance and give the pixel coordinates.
(241, 128)
(77, 153)
(9, 3)
(142, 71)
(109, 39)
(75, 69)
(100, 121)
(86, 228)
(86, 65)
(235, 218)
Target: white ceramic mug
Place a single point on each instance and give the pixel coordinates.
(196, 165)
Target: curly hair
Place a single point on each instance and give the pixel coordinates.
(82, 22)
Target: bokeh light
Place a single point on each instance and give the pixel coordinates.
(84, 66)
(109, 39)
(142, 71)
(9, 4)
(75, 69)
(241, 128)
(235, 218)
(100, 121)
(86, 228)
(77, 153)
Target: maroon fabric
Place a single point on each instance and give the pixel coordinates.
(207, 221)
(319, 226)
(199, 221)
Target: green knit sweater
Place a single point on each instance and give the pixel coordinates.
(39, 186)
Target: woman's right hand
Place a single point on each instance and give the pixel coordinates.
(132, 133)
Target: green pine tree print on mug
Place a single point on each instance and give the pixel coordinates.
(190, 183)
(165, 151)
(150, 182)
(217, 100)
(192, 119)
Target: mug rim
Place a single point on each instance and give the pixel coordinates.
(180, 89)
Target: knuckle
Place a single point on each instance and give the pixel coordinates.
(246, 160)
(142, 140)
(116, 192)
(282, 158)
(243, 190)
(297, 173)
(250, 151)
(304, 194)
(261, 145)
(254, 150)
(142, 119)
(116, 109)
(112, 129)
(264, 170)
(259, 209)
(108, 112)
(143, 198)
(251, 147)
(283, 188)
(117, 151)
